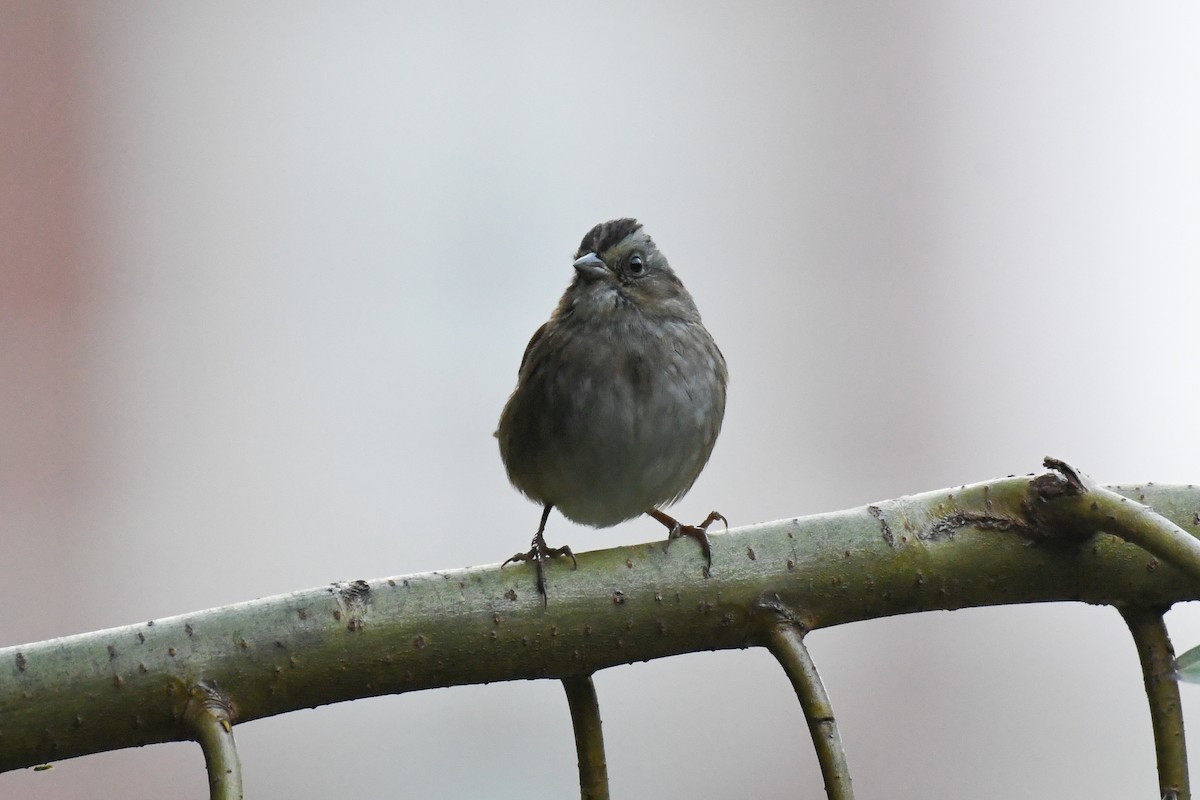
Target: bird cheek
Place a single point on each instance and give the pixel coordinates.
(641, 296)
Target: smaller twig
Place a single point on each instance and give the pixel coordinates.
(209, 719)
(1082, 505)
(589, 738)
(785, 639)
(1166, 714)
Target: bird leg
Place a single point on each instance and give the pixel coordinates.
(697, 532)
(540, 552)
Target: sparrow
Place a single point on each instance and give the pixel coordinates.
(619, 398)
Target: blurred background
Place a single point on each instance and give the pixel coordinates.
(267, 271)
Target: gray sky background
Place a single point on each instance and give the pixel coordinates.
(267, 270)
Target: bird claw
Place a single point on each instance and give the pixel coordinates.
(539, 553)
(698, 532)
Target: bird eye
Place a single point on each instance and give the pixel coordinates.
(636, 267)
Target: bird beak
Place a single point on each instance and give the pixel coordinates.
(590, 266)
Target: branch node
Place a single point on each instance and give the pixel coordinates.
(1047, 490)
(1074, 484)
(773, 607)
(209, 716)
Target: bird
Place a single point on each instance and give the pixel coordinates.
(620, 396)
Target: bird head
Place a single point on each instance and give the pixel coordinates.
(618, 265)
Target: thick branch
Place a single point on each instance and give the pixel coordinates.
(970, 546)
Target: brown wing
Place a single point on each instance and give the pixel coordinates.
(537, 336)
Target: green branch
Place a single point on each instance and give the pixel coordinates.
(970, 546)
(1067, 502)
(1166, 714)
(785, 639)
(589, 738)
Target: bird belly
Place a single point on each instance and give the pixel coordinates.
(610, 443)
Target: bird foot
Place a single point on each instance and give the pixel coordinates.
(539, 553)
(676, 529)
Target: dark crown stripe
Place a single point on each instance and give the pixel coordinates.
(607, 234)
